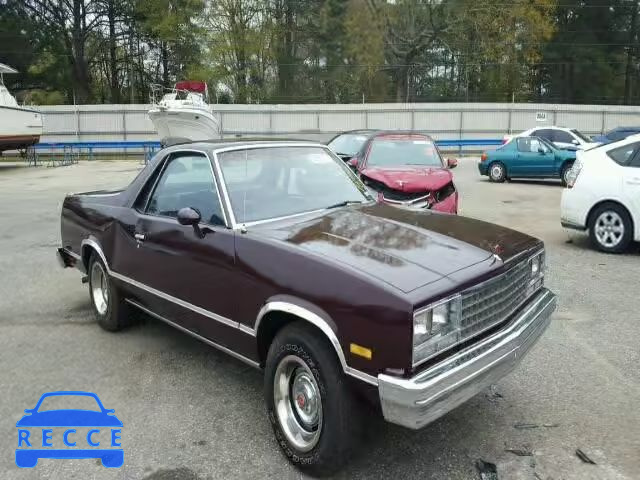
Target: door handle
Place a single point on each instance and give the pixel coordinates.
(634, 181)
(139, 237)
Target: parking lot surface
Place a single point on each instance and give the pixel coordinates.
(193, 413)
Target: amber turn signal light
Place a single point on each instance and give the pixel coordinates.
(361, 351)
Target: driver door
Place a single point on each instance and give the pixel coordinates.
(535, 159)
(188, 280)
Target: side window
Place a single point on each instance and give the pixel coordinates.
(524, 144)
(635, 161)
(545, 133)
(145, 192)
(562, 136)
(537, 145)
(187, 181)
(623, 155)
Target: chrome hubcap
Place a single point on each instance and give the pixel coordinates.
(496, 171)
(99, 288)
(298, 403)
(609, 229)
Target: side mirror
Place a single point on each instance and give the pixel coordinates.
(541, 151)
(353, 163)
(575, 142)
(190, 216)
(452, 162)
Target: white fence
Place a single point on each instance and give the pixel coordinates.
(68, 123)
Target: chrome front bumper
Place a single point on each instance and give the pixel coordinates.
(417, 401)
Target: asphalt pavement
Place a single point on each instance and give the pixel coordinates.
(193, 413)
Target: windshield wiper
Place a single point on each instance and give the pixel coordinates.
(345, 203)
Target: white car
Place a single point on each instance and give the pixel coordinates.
(561, 137)
(603, 195)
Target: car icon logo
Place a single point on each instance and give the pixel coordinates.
(84, 433)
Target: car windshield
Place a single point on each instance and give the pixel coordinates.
(69, 402)
(348, 144)
(581, 136)
(272, 182)
(392, 151)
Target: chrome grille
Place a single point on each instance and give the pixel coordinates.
(491, 302)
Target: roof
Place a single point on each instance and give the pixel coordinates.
(385, 133)
(222, 143)
(7, 69)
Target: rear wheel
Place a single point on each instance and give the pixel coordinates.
(312, 412)
(109, 307)
(497, 172)
(610, 228)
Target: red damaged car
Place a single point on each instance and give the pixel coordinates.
(405, 168)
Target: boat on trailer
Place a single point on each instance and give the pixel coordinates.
(20, 127)
(183, 113)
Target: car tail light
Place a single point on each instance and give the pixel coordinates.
(483, 157)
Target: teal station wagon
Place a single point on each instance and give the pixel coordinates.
(525, 157)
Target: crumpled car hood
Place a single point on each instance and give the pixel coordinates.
(402, 247)
(410, 178)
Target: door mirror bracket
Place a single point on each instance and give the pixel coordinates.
(191, 216)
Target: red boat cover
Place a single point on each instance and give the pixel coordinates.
(192, 86)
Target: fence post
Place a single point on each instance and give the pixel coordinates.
(124, 124)
(460, 130)
(77, 124)
(271, 122)
(366, 119)
(509, 126)
(604, 113)
(413, 118)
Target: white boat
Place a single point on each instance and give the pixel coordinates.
(184, 113)
(20, 127)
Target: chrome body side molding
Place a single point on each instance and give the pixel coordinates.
(279, 306)
(242, 358)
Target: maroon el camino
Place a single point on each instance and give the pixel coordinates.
(275, 253)
(400, 168)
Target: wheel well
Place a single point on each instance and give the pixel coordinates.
(275, 321)
(87, 250)
(609, 202)
(567, 162)
(497, 161)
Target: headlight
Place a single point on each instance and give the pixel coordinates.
(435, 328)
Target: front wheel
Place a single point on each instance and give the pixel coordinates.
(610, 228)
(312, 412)
(497, 172)
(564, 174)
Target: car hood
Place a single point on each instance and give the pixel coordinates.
(403, 247)
(69, 418)
(410, 178)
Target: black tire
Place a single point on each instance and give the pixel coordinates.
(497, 172)
(340, 423)
(115, 315)
(619, 220)
(563, 173)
